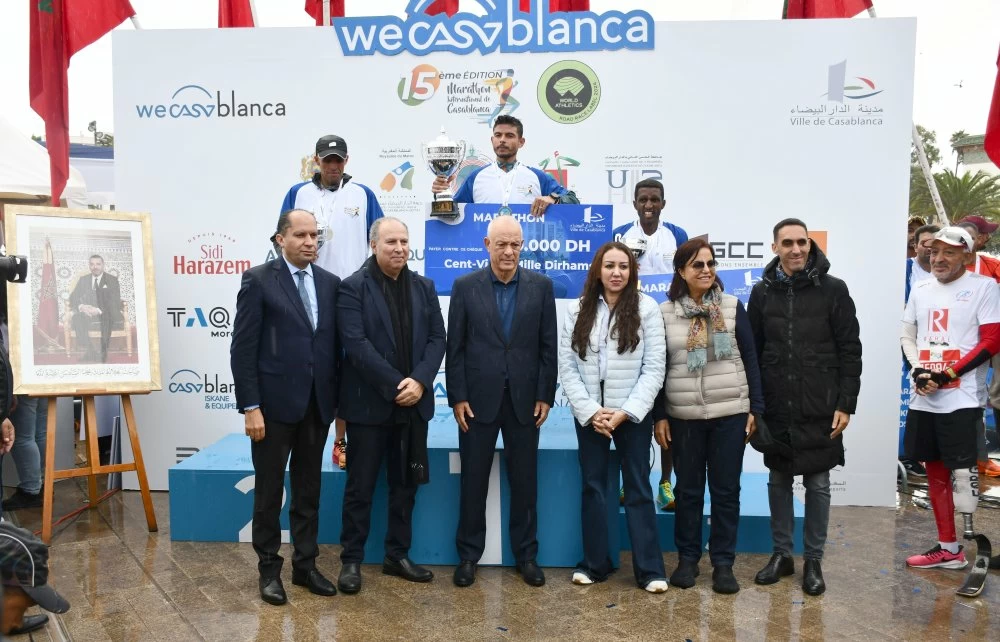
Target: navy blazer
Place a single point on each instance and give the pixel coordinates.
(477, 349)
(371, 375)
(277, 359)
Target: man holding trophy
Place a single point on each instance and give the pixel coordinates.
(507, 181)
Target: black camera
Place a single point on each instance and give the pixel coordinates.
(14, 268)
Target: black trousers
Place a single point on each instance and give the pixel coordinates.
(369, 445)
(520, 449)
(304, 441)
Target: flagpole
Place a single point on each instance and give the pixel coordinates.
(326, 13)
(135, 22)
(253, 13)
(925, 167)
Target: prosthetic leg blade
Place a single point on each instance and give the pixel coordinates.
(976, 579)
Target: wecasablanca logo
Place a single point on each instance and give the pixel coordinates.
(196, 102)
(217, 393)
(569, 92)
(558, 162)
(503, 28)
(838, 91)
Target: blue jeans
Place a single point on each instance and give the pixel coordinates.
(779, 495)
(632, 442)
(30, 419)
(718, 445)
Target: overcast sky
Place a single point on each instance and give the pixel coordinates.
(957, 43)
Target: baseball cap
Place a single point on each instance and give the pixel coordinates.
(984, 226)
(24, 562)
(331, 144)
(953, 235)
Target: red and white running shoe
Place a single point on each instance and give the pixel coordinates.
(938, 557)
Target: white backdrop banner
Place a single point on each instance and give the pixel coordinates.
(745, 123)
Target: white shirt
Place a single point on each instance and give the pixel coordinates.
(918, 274)
(310, 283)
(948, 317)
(661, 246)
(520, 186)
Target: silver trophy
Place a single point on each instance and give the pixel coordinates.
(444, 157)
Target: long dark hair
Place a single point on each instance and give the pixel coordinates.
(684, 255)
(624, 318)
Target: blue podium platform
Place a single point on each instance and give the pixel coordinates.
(211, 500)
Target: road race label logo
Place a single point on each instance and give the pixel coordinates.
(217, 320)
(196, 102)
(569, 92)
(503, 27)
(217, 393)
(845, 103)
(211, 253)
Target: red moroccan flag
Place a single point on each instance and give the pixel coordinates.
(48, 308)
(449, 7)
(235, 13)
(992, 143)
(560, 5)
(824, 8)
(59, 29)
(315, 9)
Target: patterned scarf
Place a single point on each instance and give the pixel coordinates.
(697, 339)
(782, 277)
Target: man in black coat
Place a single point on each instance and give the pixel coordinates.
(807, 336)
(97, 298)
(393, 336)
(284, 362)
(501, 372)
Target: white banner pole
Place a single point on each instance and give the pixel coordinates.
(326, 12)
(253, 13)
(135, 22)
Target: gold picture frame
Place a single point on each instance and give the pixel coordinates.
(85, 322)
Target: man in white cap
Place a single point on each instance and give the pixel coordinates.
(951, 327)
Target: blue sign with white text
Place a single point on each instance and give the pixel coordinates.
(560, 243)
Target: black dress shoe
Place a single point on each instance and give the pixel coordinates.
(315, 582)
(465, 573)
(683, 576)
(723, 580)
(779, 566)
(406, 569)
(21, 499)
(350, 578)
(812, 578)
(30, 623)
(271, 591)
(531, 573)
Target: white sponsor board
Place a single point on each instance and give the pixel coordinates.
(745, 123)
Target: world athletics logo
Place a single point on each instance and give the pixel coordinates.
(503, 28)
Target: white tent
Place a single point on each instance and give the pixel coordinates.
(24, 170)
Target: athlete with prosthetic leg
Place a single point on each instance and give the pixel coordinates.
(951, 328)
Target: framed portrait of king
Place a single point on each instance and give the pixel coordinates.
(84, 320)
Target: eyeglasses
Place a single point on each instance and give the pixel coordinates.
(700, 265)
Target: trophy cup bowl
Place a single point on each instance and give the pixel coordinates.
(444, 157)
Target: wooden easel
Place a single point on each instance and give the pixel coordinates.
(93, 467)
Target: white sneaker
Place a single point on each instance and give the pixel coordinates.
(657, 586)
(581, 578)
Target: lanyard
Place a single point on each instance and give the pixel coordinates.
(507, 182)
(327, 213)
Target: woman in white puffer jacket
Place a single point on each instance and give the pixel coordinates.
(612, 360)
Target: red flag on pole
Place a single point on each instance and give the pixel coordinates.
(59, 30)
(824, 8)
(235, 13)
(48, 307)
(992, 142)
(315, 9)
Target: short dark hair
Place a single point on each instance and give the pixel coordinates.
(648, 182)
(685, 253)
(284, 220)
(96, 256)
(507, 119)
(924, 229)
(786, 222)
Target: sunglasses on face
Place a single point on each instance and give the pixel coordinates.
(700, 265)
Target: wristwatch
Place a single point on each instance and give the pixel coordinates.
(555, 196)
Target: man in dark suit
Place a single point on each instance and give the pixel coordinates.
(501, 373)
(97, 298)
(284, 361)
(393, 336)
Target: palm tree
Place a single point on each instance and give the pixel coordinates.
(966, 195)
